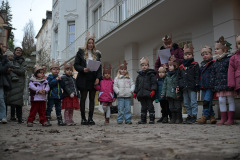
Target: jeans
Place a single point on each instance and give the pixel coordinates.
(124, 109)
(57, 103)
(207, 95)
(2, 104)
(190, 102)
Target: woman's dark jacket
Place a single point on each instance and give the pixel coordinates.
(4, 79)
(145, 83)
(86, 80)
(68, 84)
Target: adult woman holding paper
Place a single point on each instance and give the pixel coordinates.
(86, 79)
(176, 52)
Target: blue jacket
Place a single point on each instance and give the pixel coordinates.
(159, 89)
(205, 75)
(55, 87)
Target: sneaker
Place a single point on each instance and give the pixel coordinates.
(193, 119)
(129, 122)
(29, 124)
(119, 122)
(4, 121)
(46, 124)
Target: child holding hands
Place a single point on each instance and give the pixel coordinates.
(124, 88)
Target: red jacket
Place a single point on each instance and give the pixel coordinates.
(105, 89)
(234, 71)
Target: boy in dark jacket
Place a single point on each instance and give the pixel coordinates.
(207, 93)
(146, 85)
(188, 82)
(55, 93)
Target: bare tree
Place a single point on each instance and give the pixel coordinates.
(43, 55)
(28, 42)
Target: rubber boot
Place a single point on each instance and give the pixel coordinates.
(90, 120)
(202, 120)
(179, 118)
(143, 119)
(223, 118)
(60, 121)
(173, 119)
(152, 118)
(230, 120)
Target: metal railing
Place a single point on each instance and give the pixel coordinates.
(117, 15)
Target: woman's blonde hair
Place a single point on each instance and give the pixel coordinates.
(118, 74)
(94, 53)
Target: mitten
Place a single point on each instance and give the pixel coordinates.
(152, 93)
(135, 95)
(156, 100)
(72, 95)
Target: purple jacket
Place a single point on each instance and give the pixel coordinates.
(234, 71)
(35, 86)
(105, 89)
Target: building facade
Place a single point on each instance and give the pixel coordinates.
(4, 30)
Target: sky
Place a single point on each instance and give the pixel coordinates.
(23, 11)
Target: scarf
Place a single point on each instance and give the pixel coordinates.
(35, 79)
(170, 73)
(187, 62)
(203, 63)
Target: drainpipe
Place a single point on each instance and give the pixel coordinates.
(87, 15)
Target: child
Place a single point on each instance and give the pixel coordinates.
(70, 94)
(188, 82)
(207, 93)
(13, 76)
(55, 94)
(219, 82)
(106, 94)
(39, 88)
(168, 91)
(163, 102)
(234, 68)
(146, 86)
(124, 88)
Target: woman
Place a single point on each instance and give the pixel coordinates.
(15, 96)
(86, 79)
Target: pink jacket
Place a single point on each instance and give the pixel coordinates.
(234, 71)
(105, 89)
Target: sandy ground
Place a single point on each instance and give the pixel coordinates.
(113, 141)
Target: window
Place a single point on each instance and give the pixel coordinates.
(97, 15)
(122, 7)
(71, 32)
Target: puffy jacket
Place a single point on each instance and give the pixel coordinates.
(145, 83)
(86, 80)
(35, 86)
(188, 77)
(4, 80)
(205, 75)
(55, 87)
(159, 89)
(123, 87)
(234, 71)
(105, 89)
(68, 84)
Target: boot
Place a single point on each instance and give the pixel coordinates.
(107, 121)
(223, 118)
(84, 120)
(212, 120)
(48, 119)
(230, 118)
(179, 118)
(165, 120)
(193, 119)
(174, 117)
(143, 119)
(90, 120)
(160, 120)
(152, 118)
(60, 121)
(187, 120)
(202, 120)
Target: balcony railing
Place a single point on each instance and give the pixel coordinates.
(117, 15)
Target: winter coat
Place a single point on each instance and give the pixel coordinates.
(68, 84)
(205, 75)
(169, 86)
(234, 71)
(175, 50)
(35, 86)
(86, 80)
(105, 88)
(219, 79)
(4, 79)
(159, 89)
(145, 83)
(15, 96)
(188, 77)
(55, 87)
(123, 87)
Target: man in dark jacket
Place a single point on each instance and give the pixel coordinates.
(146, 85)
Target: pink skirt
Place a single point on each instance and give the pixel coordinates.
(226, 93)
(70, 103)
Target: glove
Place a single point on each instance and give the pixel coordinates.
(135, 95)
(156, 100)
(72, 95)
(152, 94)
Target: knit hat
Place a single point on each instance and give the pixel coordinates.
(54, 64)
(144, 60)
(167, 40)
(9, 53)
(107, 70)
(36, 68)
(123, 66)
(68, 66)
(206, 49)
(188, 48)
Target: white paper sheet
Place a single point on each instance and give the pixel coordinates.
(93, 65)
(164, 55)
